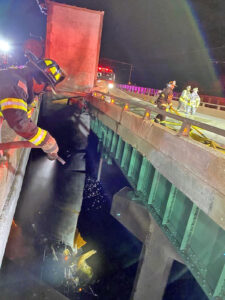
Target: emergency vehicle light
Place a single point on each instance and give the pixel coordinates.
(105, 69)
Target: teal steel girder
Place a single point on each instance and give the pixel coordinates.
(198, 240)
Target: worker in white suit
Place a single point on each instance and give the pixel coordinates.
(194, 102)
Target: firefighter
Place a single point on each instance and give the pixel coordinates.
(194, 102)
(164, 100)
(18, 88)
(184, 98)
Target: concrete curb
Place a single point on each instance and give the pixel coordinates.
(9, 208)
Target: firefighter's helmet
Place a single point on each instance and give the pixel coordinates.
(45, 70)
(172, 84)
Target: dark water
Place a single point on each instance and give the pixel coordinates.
(115, 263)
(45, 185)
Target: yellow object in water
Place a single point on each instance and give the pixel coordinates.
(78, 240)
(83, 266)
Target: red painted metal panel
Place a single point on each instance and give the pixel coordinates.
(35, 46)
(73, 41)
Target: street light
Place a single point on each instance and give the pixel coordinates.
(4, 53)
(4, 46)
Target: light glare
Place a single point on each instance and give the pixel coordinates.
(110, 85)
(4, 46)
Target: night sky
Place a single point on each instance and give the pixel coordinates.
(164, 40)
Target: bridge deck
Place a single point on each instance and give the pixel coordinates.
(207, 119)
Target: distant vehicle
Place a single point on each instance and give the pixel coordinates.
(105, 77)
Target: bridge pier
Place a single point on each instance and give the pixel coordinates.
(154, 267)
(157, 253)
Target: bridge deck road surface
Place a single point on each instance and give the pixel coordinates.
(207, 119)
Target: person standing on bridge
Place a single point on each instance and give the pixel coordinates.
(164, 100)
(18, 86)
(194, 102)
(184, 98)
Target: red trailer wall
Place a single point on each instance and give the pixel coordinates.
(73, 41)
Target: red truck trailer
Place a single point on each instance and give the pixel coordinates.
(73, 39)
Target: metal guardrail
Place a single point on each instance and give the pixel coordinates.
(148, 107)
(212, 105)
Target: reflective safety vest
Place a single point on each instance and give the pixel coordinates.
(185, 96)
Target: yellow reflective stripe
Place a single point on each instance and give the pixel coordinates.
(29, 113)
(57, 76)
(53, 70)
(13, 100)
(14, 103)
(1, 115)
(5, 107)
(48, 62)
(39, 137)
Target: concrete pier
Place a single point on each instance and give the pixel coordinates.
(157, 254)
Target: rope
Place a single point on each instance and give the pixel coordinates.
(202, 138)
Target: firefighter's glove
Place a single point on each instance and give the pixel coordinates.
(51, 147)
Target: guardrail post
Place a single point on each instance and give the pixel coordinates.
(147, 115)
(185, 129)
(126, 106)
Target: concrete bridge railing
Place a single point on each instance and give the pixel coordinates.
(12, 171)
